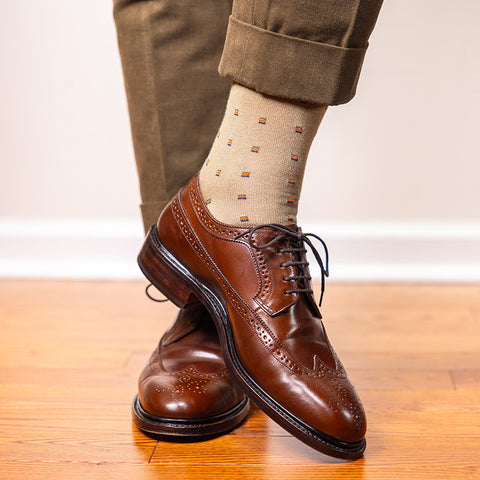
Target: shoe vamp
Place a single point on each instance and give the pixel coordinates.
(206, 357)
(302, 336)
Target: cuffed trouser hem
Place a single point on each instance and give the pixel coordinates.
(150, 213)
(289, 67)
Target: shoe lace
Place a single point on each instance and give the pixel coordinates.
(151, 297)
(296, 240)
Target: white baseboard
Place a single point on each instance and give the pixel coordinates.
(404, 252)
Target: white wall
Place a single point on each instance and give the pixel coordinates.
(393, 178)
(407, 147)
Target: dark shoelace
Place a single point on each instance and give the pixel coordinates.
(149, 295)
(296, 239)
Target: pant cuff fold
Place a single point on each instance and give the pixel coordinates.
(290, 67)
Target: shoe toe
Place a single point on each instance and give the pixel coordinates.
(343, 416)
(187, 397)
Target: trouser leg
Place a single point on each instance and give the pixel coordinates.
(170, 51)
(307, 50)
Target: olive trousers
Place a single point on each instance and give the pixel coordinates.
(173, 51)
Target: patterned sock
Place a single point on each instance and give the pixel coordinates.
(254, 172)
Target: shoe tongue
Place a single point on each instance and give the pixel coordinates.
(272, 296)
(184, 324)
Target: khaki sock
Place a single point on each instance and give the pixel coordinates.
(253, 174)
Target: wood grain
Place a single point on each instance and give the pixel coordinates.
(71, 352)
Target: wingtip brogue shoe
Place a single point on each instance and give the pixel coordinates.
(256, 286)
(185, 389)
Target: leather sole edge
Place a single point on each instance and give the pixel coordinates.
(204, 427)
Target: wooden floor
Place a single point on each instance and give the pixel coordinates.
(70, 354)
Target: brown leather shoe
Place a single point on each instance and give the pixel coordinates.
(185, 389)
(255, 284)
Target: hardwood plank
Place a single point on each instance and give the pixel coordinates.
(128, 471)
(434, 361)
(400, 449)
(466, 379)
(400, 379)
(63, 429)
